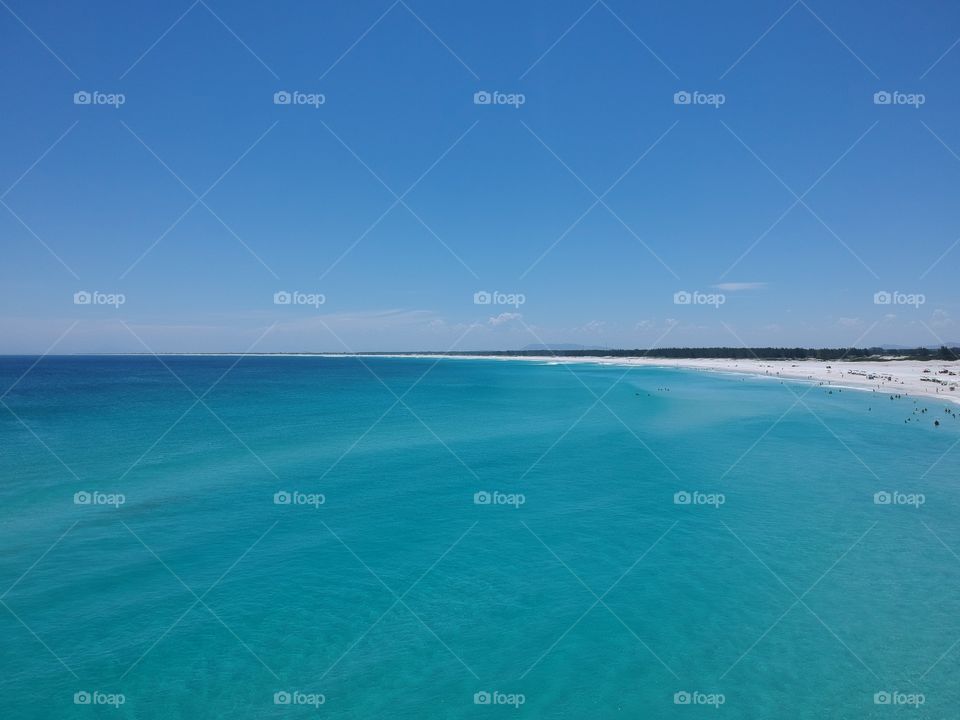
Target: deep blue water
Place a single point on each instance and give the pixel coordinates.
(196, 595)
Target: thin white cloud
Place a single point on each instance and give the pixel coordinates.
(738, 286)
(503, 318)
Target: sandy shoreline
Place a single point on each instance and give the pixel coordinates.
(934, 379)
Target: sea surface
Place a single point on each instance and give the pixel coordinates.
(305, 537)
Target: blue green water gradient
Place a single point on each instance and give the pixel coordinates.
(184, 586)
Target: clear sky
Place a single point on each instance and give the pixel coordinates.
(782, 197)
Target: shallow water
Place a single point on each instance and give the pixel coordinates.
(583, 589)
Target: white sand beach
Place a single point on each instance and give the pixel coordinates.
(934, 379)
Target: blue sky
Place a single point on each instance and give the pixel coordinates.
(782, 210)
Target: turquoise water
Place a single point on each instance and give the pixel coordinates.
(398, 596)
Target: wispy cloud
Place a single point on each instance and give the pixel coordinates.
(738, 286)
(504, 318)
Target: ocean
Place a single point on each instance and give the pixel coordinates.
(271, 537)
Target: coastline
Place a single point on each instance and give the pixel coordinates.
(928, 379)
